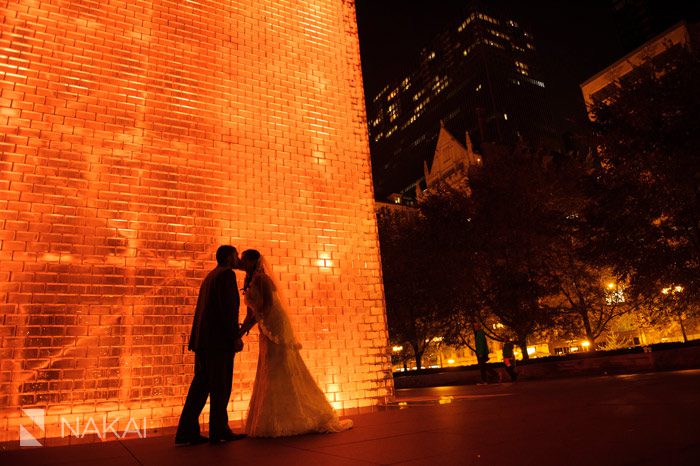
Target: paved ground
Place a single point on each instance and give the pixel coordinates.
(630, 420)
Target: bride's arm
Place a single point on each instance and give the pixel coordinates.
(259, 299)
(249, 322)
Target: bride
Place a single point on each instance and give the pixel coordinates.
(286, 399)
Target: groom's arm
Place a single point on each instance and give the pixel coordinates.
(230, 302)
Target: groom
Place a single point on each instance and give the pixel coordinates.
(215, 338)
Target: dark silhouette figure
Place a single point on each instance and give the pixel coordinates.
(488, 375)
(509, 360)
(215, 339)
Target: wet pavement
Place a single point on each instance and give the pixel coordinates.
(625, 420)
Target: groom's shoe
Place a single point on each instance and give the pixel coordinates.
(198, 440)
(228, 437)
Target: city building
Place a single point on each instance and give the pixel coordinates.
(450, 162)
(662, 47)
(480, 75)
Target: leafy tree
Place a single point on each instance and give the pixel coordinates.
(646, 215)
(588, 300)
(412, 312)
(448, 217)
(671, 308)
(517, 217)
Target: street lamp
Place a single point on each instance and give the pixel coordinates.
(672, 289)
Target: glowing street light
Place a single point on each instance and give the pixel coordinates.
(614, 294)
(672, 289)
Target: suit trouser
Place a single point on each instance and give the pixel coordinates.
(213, 376)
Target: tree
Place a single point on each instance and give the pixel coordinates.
(587, 298)
(671, 308)
(646, 214)
(413, 315)
(517, 216)
(448, 212)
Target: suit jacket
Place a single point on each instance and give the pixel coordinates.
(215, 326)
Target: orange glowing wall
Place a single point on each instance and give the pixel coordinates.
(139, 135)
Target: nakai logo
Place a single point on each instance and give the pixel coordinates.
(26, 439)
(79, 427)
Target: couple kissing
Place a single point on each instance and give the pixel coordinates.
(286, 400)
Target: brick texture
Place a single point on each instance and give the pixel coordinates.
(137, 136)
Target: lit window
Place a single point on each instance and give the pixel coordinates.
(487, 18)
(439, 84)
(512, 23)
(393, 111)
(498, 34)
(466, 22)
(505, 116)
(478, 88)
(493, 44)
(381, 93)
(411, 120)
(522, 68)
(535, 82)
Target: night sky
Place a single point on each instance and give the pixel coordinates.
(574, 39)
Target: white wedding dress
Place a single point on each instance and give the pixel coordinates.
(286, 399)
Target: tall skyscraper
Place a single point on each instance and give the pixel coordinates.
(480, 76)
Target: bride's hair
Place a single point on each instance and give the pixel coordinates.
(250, 255)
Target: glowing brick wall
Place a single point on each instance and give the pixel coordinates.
(137, 136)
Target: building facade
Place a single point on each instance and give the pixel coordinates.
(601, 86)
(479, 76)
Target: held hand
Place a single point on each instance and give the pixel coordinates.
(248, 323)
(238, 346)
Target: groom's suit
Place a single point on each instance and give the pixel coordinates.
(214, 339)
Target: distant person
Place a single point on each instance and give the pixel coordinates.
(488, 375)
(509, 360)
